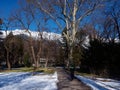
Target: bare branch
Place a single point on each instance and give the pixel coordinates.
(87, 13)
(50, 15)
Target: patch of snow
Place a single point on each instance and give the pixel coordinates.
(91, 83)
(109, 83)
(25, 81)
(100, 83)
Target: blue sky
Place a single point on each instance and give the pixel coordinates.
(7, 6)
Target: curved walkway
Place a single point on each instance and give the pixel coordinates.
(66, 84)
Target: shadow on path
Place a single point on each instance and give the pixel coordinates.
(65, 82)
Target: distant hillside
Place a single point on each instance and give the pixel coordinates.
(45, 35)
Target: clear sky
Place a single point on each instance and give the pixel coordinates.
(7, 6)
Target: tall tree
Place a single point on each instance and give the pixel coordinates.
(7, 44)
(6, 27)
(26, 17)
(71, 12)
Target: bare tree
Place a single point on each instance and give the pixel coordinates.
(25, 18)
(7, 24)
(114, 18)
(71, 12)
(50, 47)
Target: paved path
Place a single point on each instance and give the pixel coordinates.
(66, 84)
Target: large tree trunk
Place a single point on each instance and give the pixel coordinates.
(72, 65)
(34, 59)
(72, 42)
(33, 54)
(38, 54)
(7, 51)
(37, 62)
(46, 63)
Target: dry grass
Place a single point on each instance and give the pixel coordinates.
(31, 69)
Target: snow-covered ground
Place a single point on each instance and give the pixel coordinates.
(25, 81)
(100, 83)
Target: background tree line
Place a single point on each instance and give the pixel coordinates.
(16, 51)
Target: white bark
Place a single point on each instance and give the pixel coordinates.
(71, 18)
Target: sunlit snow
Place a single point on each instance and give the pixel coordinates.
(25, 81)
(100, 83)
